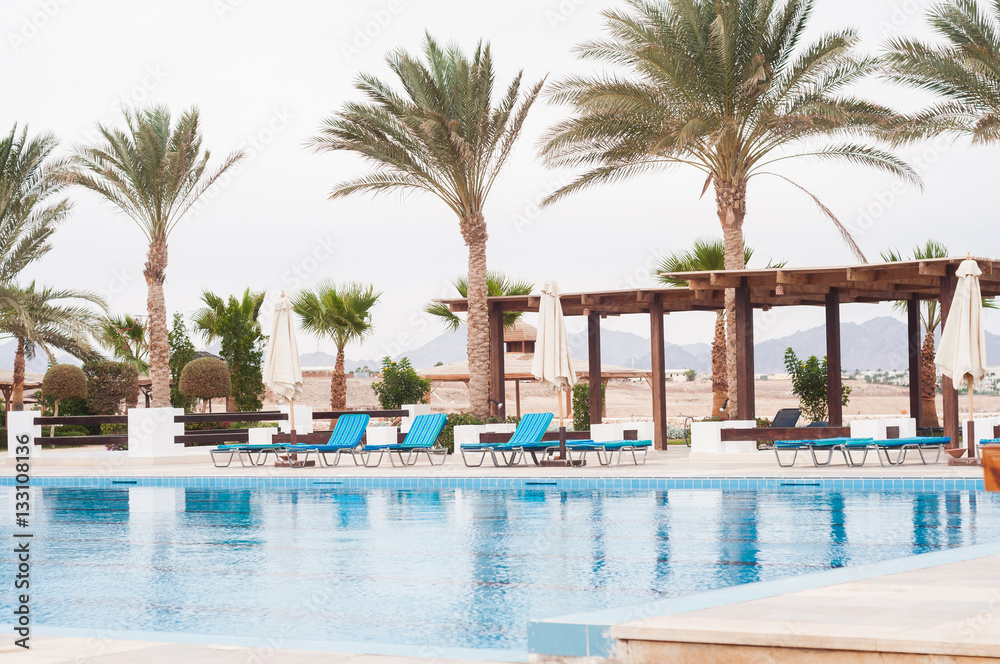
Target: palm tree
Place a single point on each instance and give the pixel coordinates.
(45, 318)
(707, 254)
(726, 87)
(153, 171)
(497, 283)
(343, 314)
(30, 181)
(236, 323)
(930, 317)
(964, 72)
(125, 336)
(446, 135)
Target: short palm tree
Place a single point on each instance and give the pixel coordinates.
(126, 338)
(930, 317)
(342, 314)
(236, 323)
(49, 319)
(707, 254)
(445, 134)
(153, 171)
(724, 86)
(497, 283)
(964, 71)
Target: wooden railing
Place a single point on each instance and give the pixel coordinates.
(81, 420)
(770, 434)
(216, 436)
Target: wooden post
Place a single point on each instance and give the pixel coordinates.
(834, 388)
(914, 348)
(745, 406)
(594, 359)
(497, 380)
(659, 373)
(517, 397)
(950, 406)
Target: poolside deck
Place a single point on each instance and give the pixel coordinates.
(674, 462)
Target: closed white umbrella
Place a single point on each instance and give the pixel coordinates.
(962, 353)
(552, 364)
(282, 368)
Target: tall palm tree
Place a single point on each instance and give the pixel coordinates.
(726, 87)
(153, 171)
(930, 318)
(445, 134)
(964, 71)
(497, 283)
(31, 207)
(236, 323)
(126, 338)
(49, 319)
(707, 254)
(343, 314)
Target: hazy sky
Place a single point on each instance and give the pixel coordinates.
(265, 73)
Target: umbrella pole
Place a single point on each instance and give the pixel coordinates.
(562, 429)
(291, 417)
(971, 443)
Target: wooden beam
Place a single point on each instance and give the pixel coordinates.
(834, 403)
(659, 377)
(914, 351)
(745, 406)
(497, 378)
(594, 360)
(933, 269)
(948, 392)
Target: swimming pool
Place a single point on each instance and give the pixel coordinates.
(445, 567)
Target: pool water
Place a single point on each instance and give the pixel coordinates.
(446, 567)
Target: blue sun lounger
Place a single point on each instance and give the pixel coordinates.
(240, 449)
(421, 439)
(900, 446)
(605, 450)
(527, 436)
(344, 439)
(828, 445)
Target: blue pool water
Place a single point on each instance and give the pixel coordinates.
(443, 567)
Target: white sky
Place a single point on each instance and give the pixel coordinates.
(265, 73)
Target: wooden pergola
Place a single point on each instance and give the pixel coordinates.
(829, 287)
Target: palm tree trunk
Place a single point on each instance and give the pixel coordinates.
(17, 398)
(730, 200)
(720, 383)
(159, 346)
(477, 319)
(928, 382)
(338, 384)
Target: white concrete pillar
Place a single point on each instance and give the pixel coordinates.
(151, 432)
(22, 431)
(413, 409)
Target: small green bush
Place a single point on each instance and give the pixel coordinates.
(64, 381)
(400, 384)
(809, 385)
(581, 405)
(206, 378)
(71, 430)
(109, 385)
(763, 422)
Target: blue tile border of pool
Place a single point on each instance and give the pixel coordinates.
(545, 483)
(588, 634)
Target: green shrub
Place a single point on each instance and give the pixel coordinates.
(64, 381)
(581, 405)
(400, 384)
(206, 378)
(447, 437)
(181, 352)
(71, 430)
(690, 375)
(809, 385)
(109, 385)
(763, 422)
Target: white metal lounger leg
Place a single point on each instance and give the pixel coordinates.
(228, 461)
(921, 448)
(849, 457)
(366, 458)
(465, 459)
(795, 454)
(816, 461)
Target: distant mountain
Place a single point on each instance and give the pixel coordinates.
(879, 343)
(321, 359)
(39, 364)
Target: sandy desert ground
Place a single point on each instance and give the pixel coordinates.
(634, 400)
